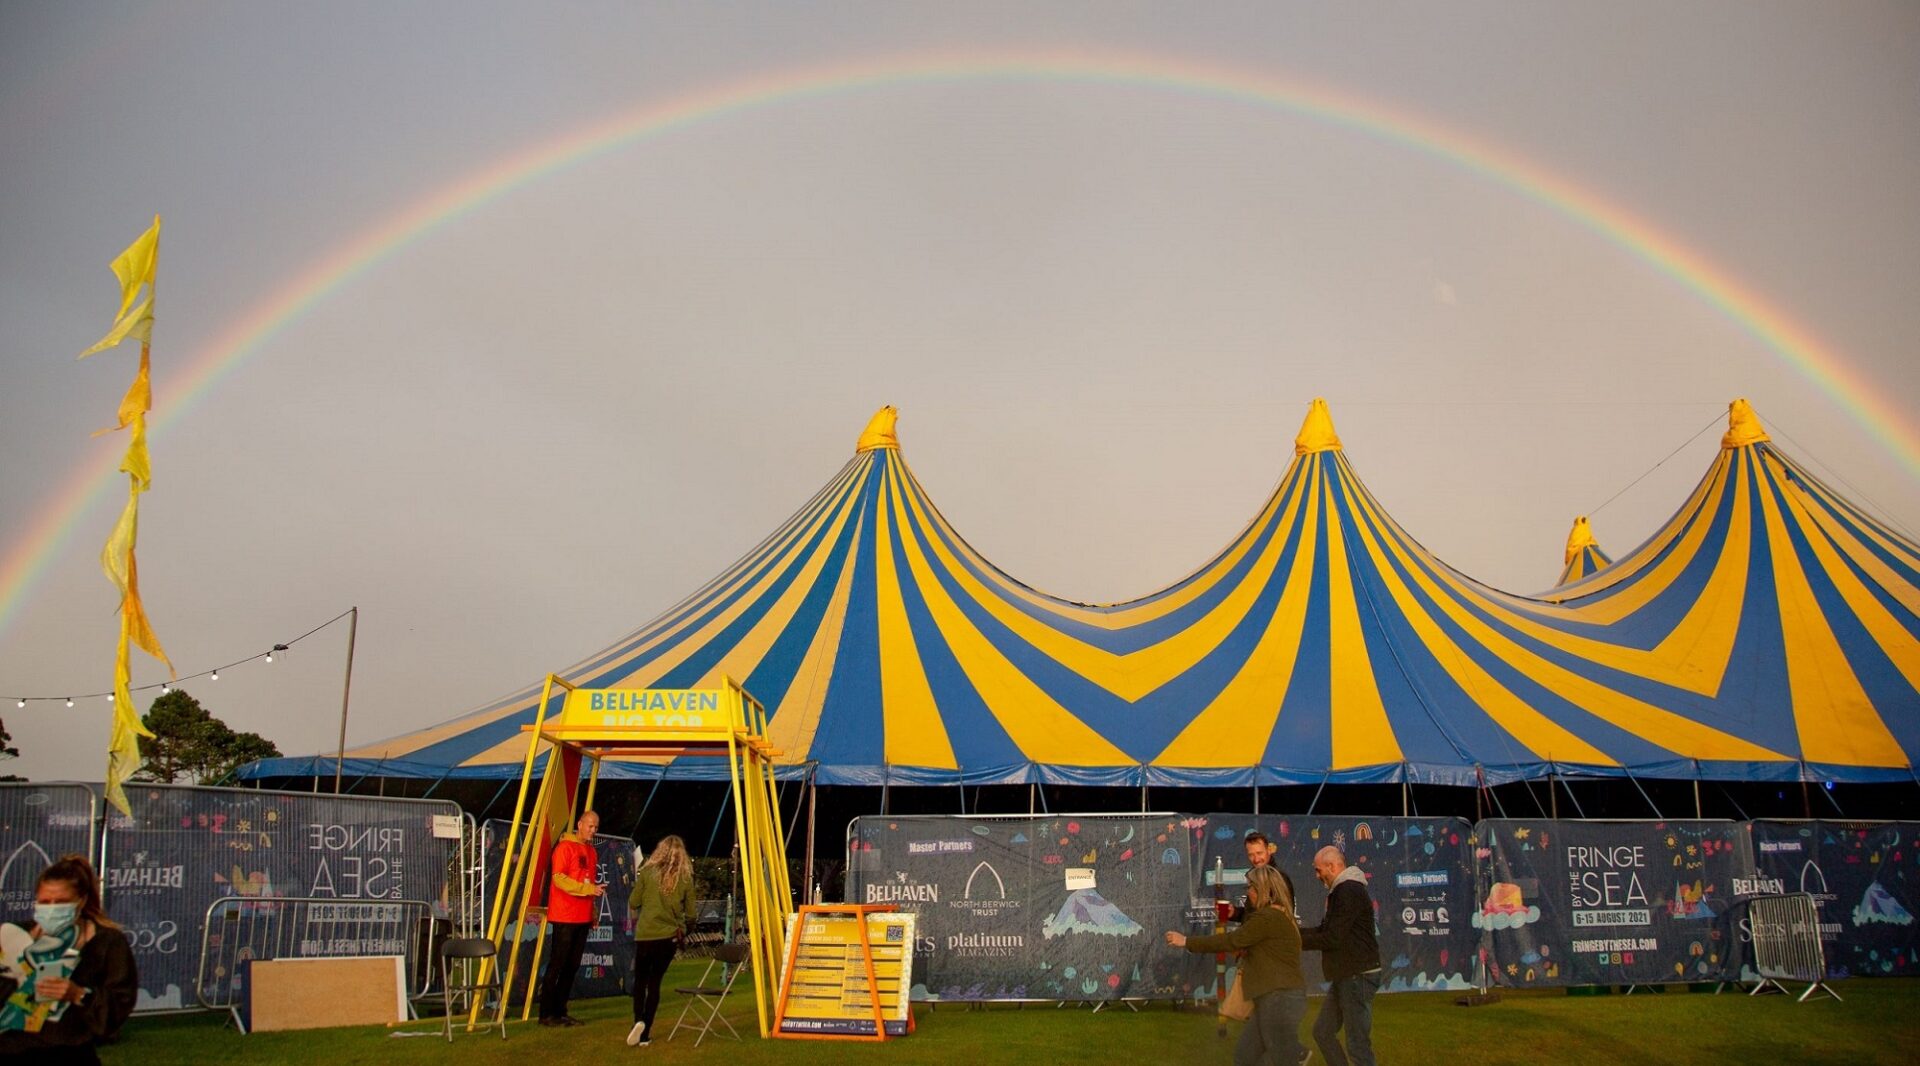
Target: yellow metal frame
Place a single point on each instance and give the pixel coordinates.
(768, 895)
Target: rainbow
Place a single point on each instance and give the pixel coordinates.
(22, 566)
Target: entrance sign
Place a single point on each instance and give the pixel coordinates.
(649, 708)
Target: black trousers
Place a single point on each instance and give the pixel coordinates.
(650, 959)
(563, 962)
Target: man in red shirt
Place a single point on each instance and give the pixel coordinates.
(572, 905)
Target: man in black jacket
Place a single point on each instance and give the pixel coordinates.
(1350, 960)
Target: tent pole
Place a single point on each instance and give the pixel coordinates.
(1553, 797)
(1643, 795)
(1406, 792)
(717, 819)
(1030, 787)
(1696, 790)
(436, 784)
(505, 783)
(1479, 793)
(1041, 791)
(1806, 801)
(1575, 800)
(1736, 804)
(1827, 792)
(884, 782)
(1495, 798)
(1256, 795)
(648, 802)
(1316, 792)
(813, 806)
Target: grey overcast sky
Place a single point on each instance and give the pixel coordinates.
(1101, 304)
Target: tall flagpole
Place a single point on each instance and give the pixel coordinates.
(346, 691)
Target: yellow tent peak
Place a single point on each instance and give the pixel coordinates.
(1581, 537)
(879, 432)
(1316, 433)
(1743, 426)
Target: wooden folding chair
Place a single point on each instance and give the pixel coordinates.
(472, 950)
(732, 959)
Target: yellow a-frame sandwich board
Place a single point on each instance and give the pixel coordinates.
(594, 725)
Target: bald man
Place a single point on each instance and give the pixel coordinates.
(1350, 960)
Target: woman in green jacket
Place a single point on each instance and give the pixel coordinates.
(663, 899)
(1269, 972)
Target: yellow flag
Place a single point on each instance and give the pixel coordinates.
(134, 267)
(137, 324)
(123, 743)
(139, 398)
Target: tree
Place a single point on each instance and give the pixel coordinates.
(8, 751)
(190, 745)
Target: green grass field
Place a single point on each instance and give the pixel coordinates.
(1878, 1023)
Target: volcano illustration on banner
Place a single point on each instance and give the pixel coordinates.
(1878, 905)
(1087, 911)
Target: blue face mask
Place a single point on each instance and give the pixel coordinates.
(55, 918)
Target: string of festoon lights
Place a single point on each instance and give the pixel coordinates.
(165, 687)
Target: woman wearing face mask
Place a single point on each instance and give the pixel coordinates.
(100, 991)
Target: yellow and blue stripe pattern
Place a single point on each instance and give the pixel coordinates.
(1769, 630)
(1583, 554)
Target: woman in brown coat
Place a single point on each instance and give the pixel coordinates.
(1269, 973)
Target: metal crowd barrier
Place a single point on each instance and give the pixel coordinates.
(1786, 944)
(240, 928)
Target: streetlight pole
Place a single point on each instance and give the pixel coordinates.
(346, 691)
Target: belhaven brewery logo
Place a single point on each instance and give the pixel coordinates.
(901, 890)
(1760, 885)
(985, 895)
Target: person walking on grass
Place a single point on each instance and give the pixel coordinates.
(663, 901)
(1349, 959)
(1270, 974)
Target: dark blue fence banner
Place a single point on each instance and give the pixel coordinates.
(1864, 878)
(1068, 907)
(606, 969)
(1419, 873)
(185, 847)
(1599, 903)
(38, 824)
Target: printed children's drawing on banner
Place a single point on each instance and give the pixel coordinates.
(1575, 903)
(186, 847)
(607, 962)
(1419, 875)
(1034, 908)
(1864, 879)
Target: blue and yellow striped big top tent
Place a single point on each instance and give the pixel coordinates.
(1770, 630)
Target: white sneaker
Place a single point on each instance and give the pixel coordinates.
(636, 1034)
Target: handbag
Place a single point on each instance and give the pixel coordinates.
(1236, 1006)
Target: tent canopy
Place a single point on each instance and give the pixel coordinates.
(1770, 630)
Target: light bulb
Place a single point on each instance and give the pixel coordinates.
(216, 675)
(164, 690)
(69, 701)
(109, 697)
(269, 656)
(22, 703)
